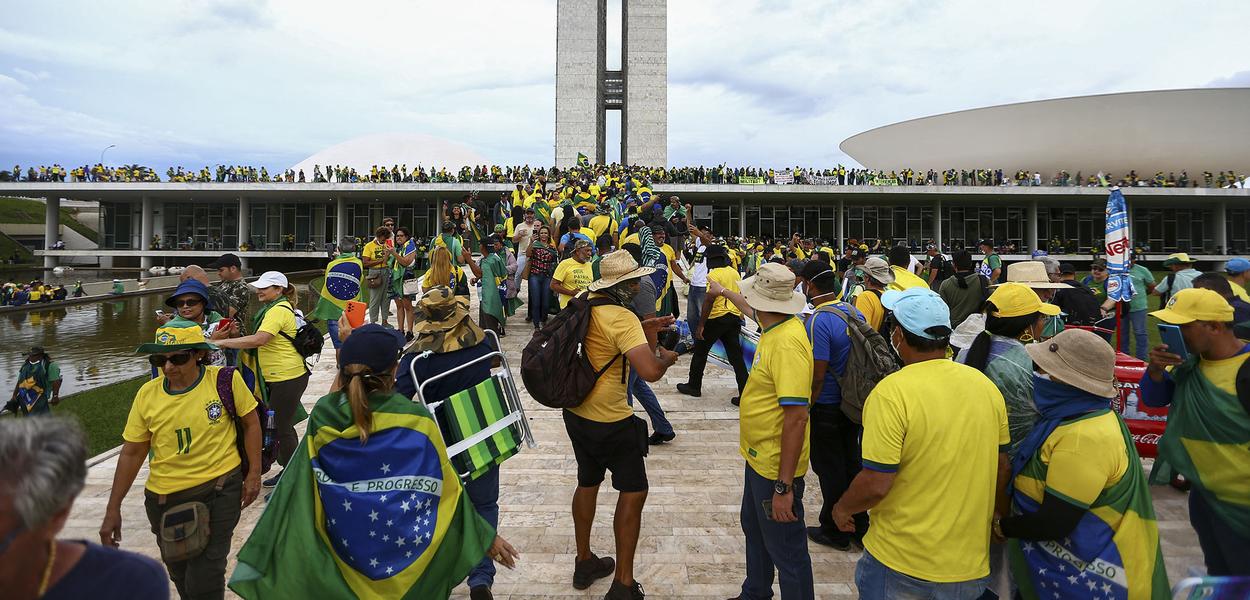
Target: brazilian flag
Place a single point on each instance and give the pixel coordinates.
(583, 160)
(341, 285)
(384, 519)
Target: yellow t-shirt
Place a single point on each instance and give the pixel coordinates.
(613, 330)
(375, 251)
(728, 277)
(192, 436)
(1239, 291)
(1223, 373)
(904, 280)
(278, 359)
(574, 275)
(1083, 458)
(602, 225)
(943, 444)
(869, 303)
(631, 239)
(780, 376)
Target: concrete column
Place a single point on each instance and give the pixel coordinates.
(937, 224)
(146, 232)
(1221, 227)
(52, 229)
(340, 219)
(1030, 227)
(840, 226)
(245, 218)
(742, 218)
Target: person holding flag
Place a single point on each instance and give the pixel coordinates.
(1119, 285)
(371, 507)
(341, 285)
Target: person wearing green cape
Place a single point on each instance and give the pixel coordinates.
(1082, 520)
(1207, 439)
(494, 306)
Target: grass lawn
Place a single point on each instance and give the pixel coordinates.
(21, 210)
(102, 412)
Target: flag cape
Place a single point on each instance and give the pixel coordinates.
(1114, 550)
(384, 519)
(1117, 246)
(1208, 441)
(341, 285)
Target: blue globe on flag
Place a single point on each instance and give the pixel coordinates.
(343, 281)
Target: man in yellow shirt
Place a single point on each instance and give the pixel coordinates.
(935, 464)
(605, 434)
(1238, 270)
(773, 435)
(573, 274)
(719, 320)
(876, 275)
(904, 278)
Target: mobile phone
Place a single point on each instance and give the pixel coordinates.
(160, 313)
(224, 323)
(1171, 335)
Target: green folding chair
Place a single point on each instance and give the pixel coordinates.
(485, 424)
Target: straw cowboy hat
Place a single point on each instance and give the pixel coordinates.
(443, 323)
(1031, 273)
(772, 290)
(616, 267)
(1078, 358)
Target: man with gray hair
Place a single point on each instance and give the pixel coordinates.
(43, 466)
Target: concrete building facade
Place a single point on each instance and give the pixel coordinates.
(586, 89)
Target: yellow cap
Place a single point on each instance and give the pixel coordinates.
(1015, 300)
(1177, 259)
(1195, 304)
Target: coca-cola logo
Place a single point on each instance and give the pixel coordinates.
(1151, 439)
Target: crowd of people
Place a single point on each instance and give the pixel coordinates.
(957, 414)
(524, 174)
(36, 291)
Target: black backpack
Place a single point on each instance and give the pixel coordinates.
(269, 443)
(555, 366)
(308, 340)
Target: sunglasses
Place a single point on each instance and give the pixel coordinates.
(189, 302)
(158, 361)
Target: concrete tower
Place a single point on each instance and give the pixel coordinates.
(586, 90)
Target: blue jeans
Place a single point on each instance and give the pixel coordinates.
(1136, 322)
(879, 582)
(694, 305)
(770, 544)
(638, 387)
(484, 494)
(332, 326)
(539, 298)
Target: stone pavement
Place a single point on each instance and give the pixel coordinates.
(691, 544)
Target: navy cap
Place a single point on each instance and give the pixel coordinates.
(372, 345)
(191, 286)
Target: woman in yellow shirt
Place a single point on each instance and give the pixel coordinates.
(280, 368)
(574, 274)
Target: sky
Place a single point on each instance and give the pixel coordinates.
(776, 83)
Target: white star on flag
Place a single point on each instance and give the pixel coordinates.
(344, 542)
(382, 498)
(1106, 588)
(373, 534)
(390, 522)
(373, 515)
(408, 554)
(386, 469)
(404, 506)
(1072, 578)
(347, 505)
(373, 562)
(386, 538)
(399, 542)
(389, 570)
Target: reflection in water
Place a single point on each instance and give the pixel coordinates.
(93, 343)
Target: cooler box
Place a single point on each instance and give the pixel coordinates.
(1145, 423)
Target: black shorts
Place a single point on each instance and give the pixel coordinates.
(617, 447)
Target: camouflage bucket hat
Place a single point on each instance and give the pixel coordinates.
(443, 323)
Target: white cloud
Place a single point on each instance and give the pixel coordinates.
(751, 82)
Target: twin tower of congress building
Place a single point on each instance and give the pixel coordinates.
(1174, 132)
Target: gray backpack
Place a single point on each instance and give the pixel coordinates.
(870, 361)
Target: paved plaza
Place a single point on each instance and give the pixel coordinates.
(691, 544)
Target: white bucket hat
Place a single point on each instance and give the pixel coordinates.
(772, 290)
(1031, 273)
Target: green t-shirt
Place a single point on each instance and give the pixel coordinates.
(1142, 279)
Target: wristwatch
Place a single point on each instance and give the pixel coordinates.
(782, 488)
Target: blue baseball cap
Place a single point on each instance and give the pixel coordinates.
(919, 310)
(372, 345)
(1237, 266)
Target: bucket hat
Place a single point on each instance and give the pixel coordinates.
(178, 334)
(616, 267)
(771, 289)
(1078, 358)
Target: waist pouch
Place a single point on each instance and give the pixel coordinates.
(183, 533)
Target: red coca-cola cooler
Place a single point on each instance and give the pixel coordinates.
(1145, 423)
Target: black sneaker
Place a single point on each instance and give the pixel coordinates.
(816, 535)
(620, 591)
(660, 438)
(272, 481)
(480, 592)
(585, 572)
(689, 390)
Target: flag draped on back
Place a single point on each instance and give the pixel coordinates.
(383, 519)
(1117, 244)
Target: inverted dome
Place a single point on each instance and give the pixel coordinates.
(389, 149)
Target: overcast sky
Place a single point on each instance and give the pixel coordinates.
(776, 83)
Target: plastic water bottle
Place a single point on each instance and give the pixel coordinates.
(268, 438)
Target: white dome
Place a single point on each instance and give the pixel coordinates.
(387, 149)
